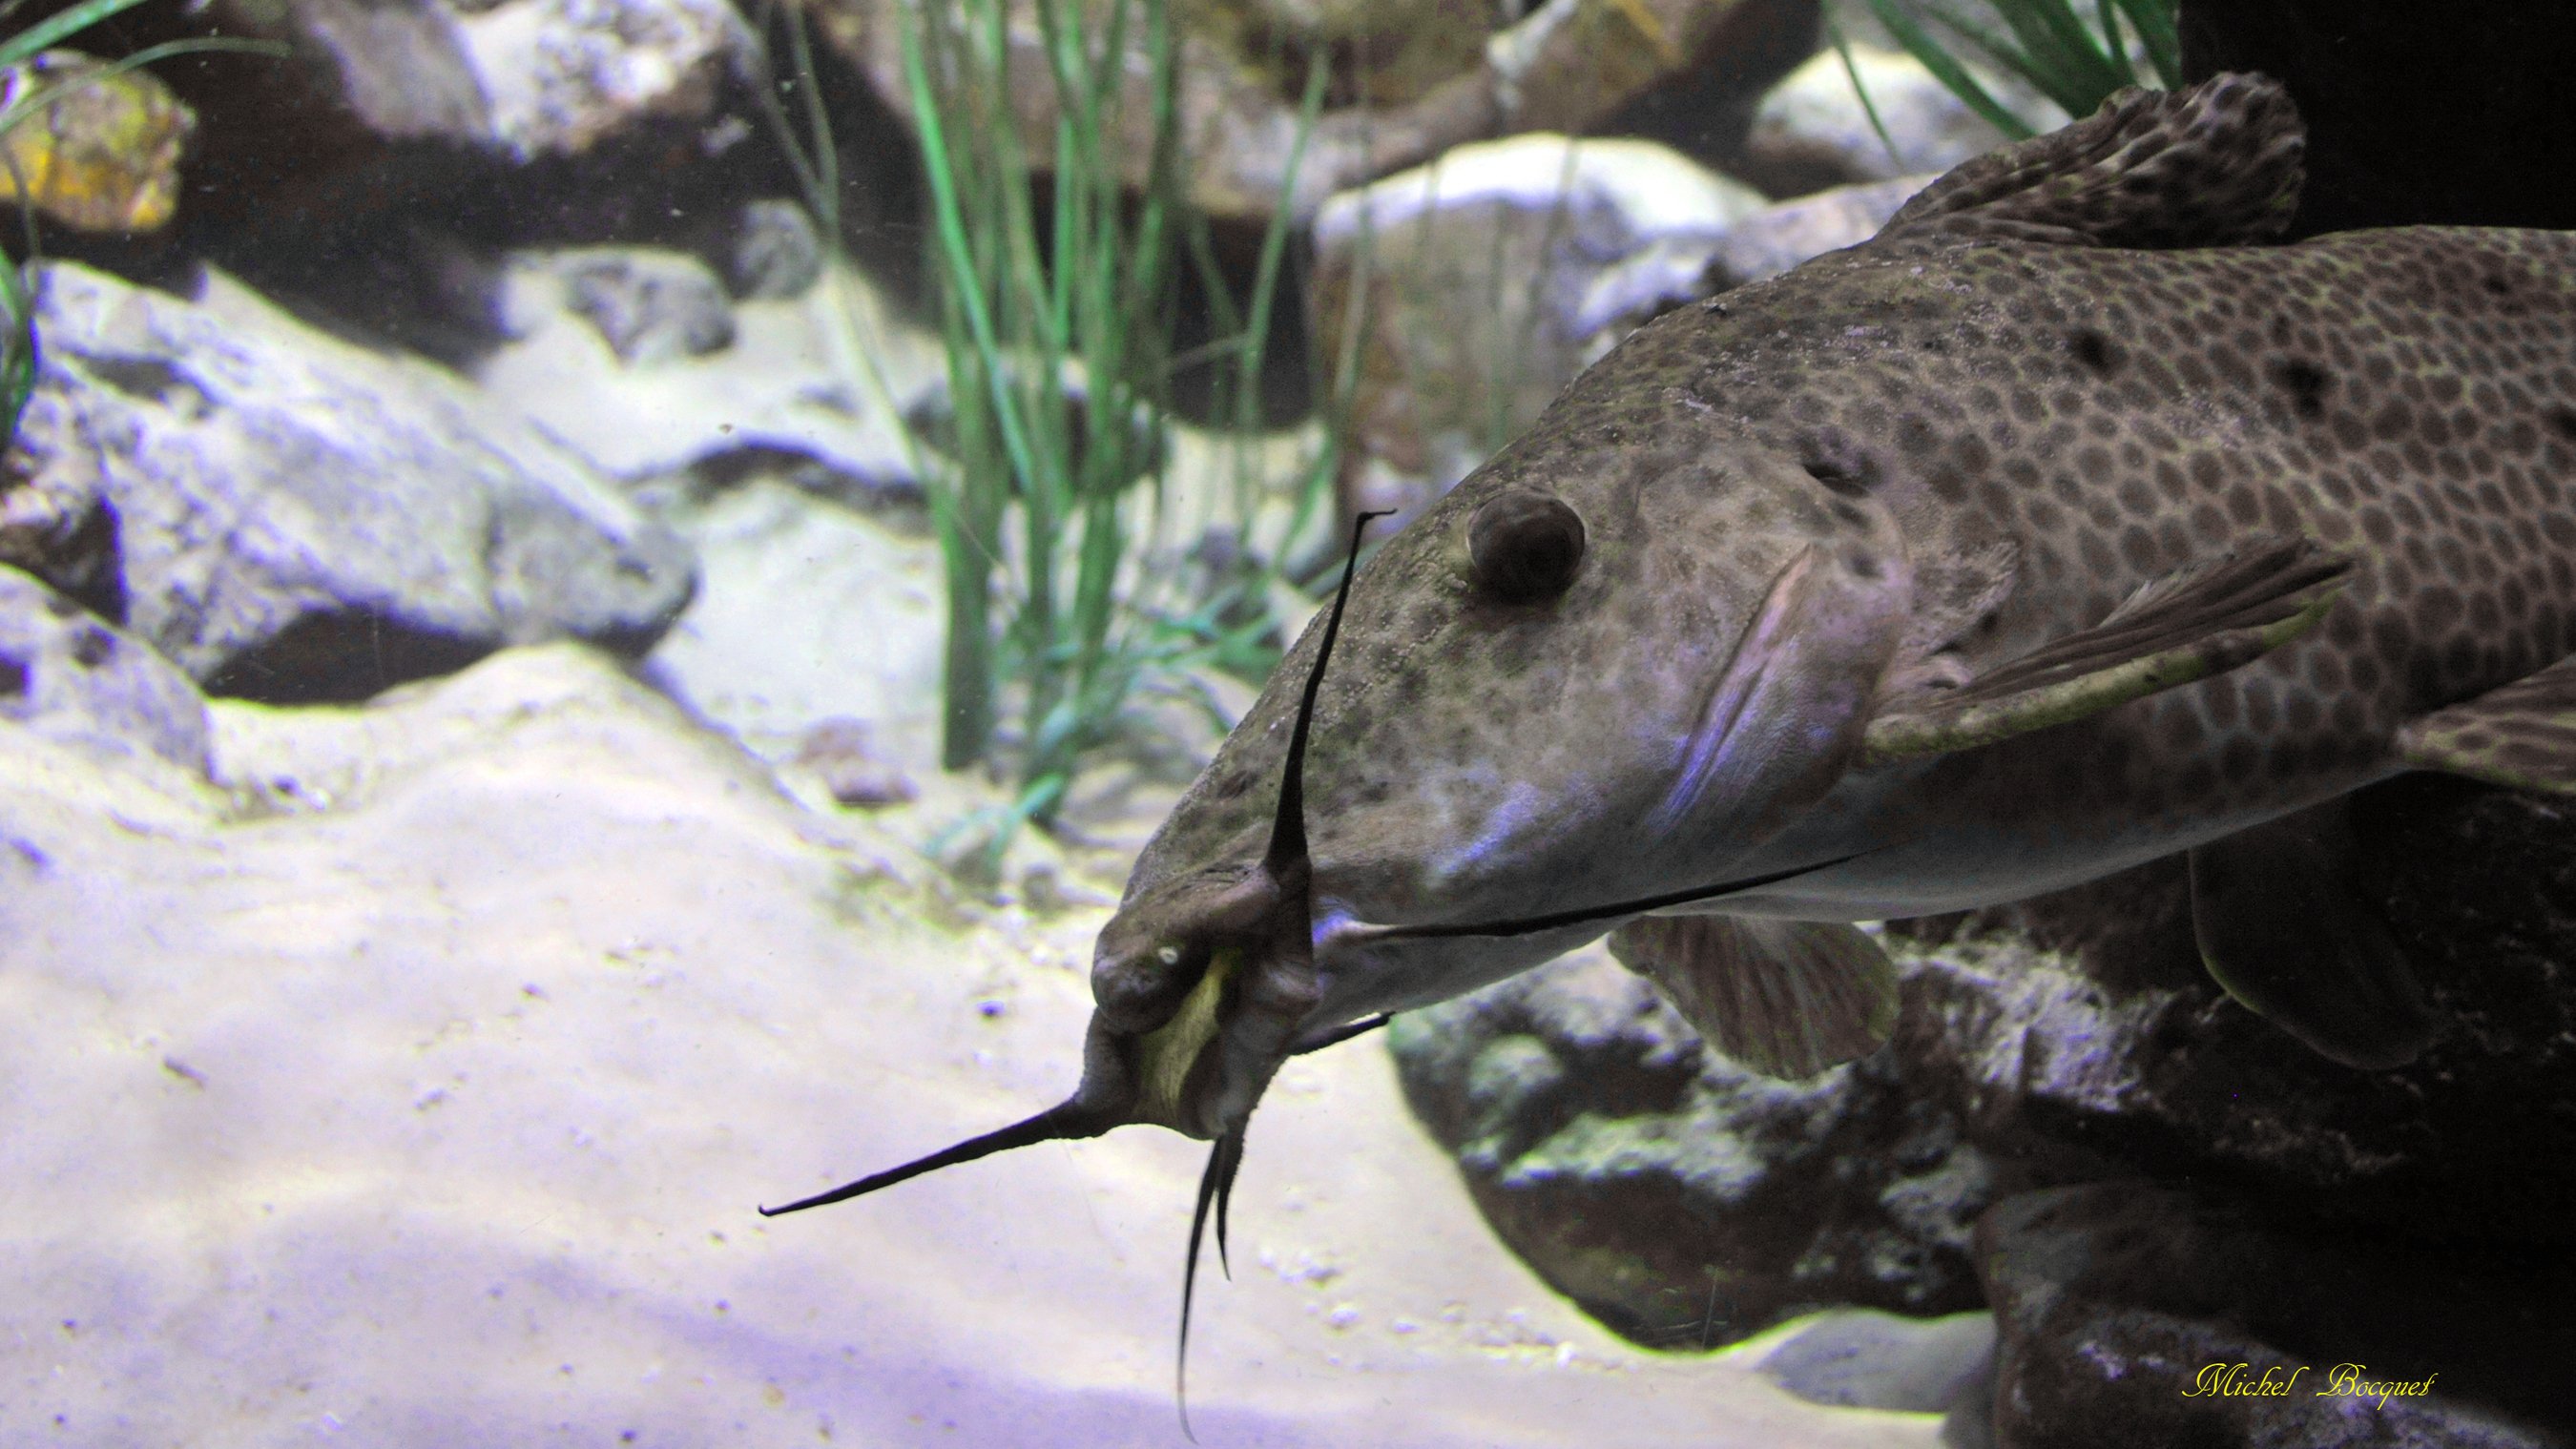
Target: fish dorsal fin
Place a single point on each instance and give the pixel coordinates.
(1786, 998)
(2215, 165)
(2521, 735)
(2197, 621)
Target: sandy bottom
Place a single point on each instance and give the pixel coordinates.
(431, 1111)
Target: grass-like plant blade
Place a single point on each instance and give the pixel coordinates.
(58, 27)
(1945, 67)
(1851, 71)
(2154, 22)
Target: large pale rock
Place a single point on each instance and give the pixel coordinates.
(808, 612)
(1812, 130)
(1781, 237)
(434, 1116)
(72, 677)
(634, 359)
(292, 517)
(525, 78)
(1484, 282)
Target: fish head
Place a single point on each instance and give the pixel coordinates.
(1593, 672)
(1596, 673)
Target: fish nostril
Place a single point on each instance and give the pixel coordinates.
(1524, 545)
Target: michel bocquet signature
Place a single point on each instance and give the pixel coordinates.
(2343, 1381)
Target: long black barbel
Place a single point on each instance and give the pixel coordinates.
(1288, 827)
(1286, 863)
(1061, 1122)
(1216, 1185)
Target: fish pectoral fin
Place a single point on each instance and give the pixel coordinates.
(2281, 929)
(1786, 998)
(2521, 735)
(2192, 623)
(2215, 165)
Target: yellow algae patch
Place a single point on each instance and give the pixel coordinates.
(93, 149)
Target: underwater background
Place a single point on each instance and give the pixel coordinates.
(598, 598)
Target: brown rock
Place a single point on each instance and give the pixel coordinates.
(1404, 82)
(2084, 1019)
(1678, 1198)
(2135, 1315)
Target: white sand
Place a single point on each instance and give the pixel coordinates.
(436, 1118)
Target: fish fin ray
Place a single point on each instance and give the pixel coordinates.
(2521, 735)
(1786, 998)
(2188, 625)
(2217, 164)
(2280, 927)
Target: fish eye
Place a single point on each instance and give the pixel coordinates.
(1169, 955)
(1524, 546)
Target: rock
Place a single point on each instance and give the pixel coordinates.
(2118, 1042)
(841, 752)
(808, 612)
(775, 251)
(1675, 1196)
(1866, 1359)
(1406, 83)
(292, 517)
(649, 306)
(810, 387)
(1489, 280)
(103, 154)
(1777, 238)
(435, 1115)
(1812, 132)
(1590, 65)
(524, 78)
(72, 677)
(2133, 1314)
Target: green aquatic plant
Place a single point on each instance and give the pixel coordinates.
(1058, 305)
(2074, 59)
(29, 93)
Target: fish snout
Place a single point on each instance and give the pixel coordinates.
(1201, 991)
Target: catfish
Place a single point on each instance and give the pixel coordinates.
(2062, 526)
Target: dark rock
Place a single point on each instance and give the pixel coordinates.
(1676, 1197)
(776, 253)
(298, 519)
(73, 677)
(2125, 1309)
(650, 306)
(2118, 1043)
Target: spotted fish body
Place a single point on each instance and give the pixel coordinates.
(2405, 398)
(2056, 384)
(2060, 527)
